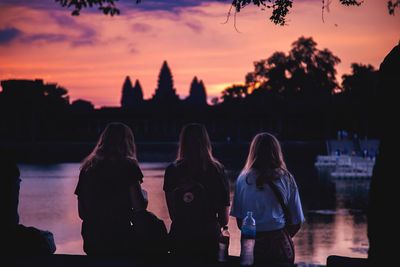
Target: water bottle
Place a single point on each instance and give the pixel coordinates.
(223, 245)
(248, 240)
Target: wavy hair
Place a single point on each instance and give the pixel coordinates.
(116, 142)
(195, 147)
(266, 158)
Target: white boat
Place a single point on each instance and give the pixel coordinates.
(332, 161)
(345, 166)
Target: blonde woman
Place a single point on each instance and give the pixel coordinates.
(109, 191)
(266, 188)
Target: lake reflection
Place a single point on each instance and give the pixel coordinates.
(335, 210)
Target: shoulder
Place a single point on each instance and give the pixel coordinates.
(217, 168)
(173, 166)
(129, 162)
(126, 164)
(84, 172)
(246, 175)
(89, 166)
(132, 168)
(170, 177)
(288, 180)
(178, 167)
(173, 170)
(243, 178)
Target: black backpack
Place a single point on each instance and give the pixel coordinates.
(190, 202)
(149, 235)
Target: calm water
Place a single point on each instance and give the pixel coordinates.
(335, 210)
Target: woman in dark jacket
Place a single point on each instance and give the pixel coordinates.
(109, 191)
(197, 195)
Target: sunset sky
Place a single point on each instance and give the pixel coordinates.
(91, 55)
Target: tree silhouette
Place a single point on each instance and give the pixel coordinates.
(306, 70)
(235, 93)
(361, 82)
(392, 5)
(82, 105)
(35, 106)
(34, 94)
(270, 74)
(280, 8)
(312, 71)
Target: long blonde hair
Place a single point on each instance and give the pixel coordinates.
(116, 142)
(195, 147)
(266, 158)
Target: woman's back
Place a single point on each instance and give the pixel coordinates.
(104, 193)
(104, 188)
(195, 225)
(197, 195)
(267, 211)
(212, 180)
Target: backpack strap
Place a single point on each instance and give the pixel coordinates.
(279, 197)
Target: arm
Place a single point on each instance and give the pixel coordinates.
(223, 203)
(81, 209)
(168, 187)
(223, 216)
(293, 229)
(139, 203)
(171, 211)
(295, 210)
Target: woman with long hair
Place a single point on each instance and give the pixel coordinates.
(197, 194)
(266, 188)
(109, 191)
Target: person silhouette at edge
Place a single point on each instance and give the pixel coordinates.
(382, 225)
(19, 240)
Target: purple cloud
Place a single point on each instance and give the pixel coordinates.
(141, 27)
(196, 27)
(44, 37)
(166, 5)
(7, 35)
(145, 5)
(87, 35)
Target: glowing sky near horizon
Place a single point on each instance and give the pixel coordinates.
(92, 54)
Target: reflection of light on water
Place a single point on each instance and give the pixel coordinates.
(49, 203)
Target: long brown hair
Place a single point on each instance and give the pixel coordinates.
(195, 147)
(116, 142)
(266, 158)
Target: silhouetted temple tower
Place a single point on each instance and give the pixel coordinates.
(197, 94)
(165, 91)
(131, 96)
(138, 92)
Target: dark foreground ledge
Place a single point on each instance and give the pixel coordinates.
(61, 260)
(339, 261)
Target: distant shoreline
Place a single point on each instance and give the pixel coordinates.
(232, 155)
